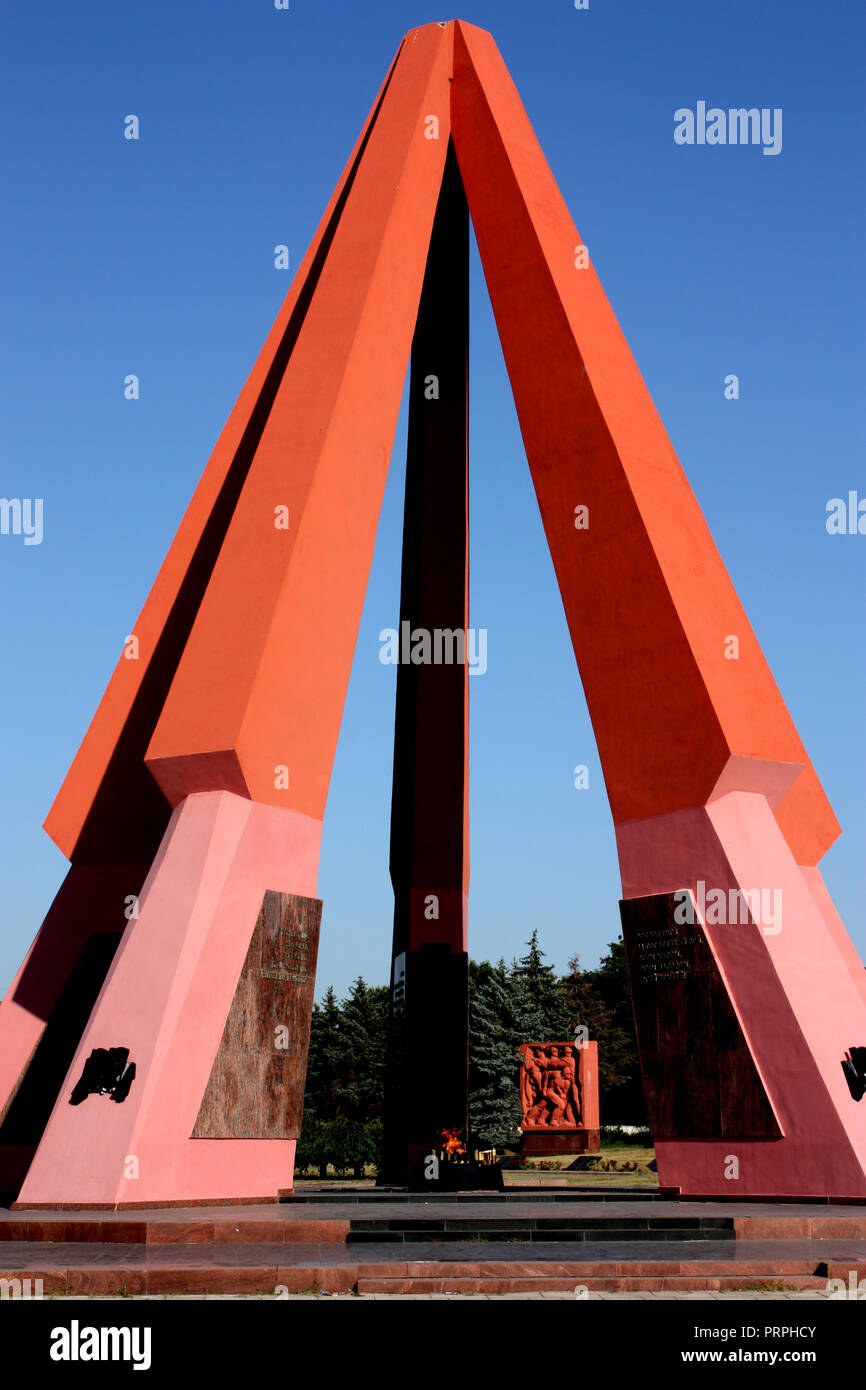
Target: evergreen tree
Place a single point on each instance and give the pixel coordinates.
(323, 1065)
(346, 1066)
(523, 1003)
(494, 1061)
(363, 1044)
(539, 1001)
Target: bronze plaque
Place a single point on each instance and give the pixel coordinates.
(256, 1085)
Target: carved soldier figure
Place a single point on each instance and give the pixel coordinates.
(532, 1088)
(550, 1088)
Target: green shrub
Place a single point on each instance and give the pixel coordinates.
(344, 1145)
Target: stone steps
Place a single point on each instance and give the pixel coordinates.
(475, 1219)
(544, 1230)
(457, 1244)
(536, 1193)
(578, 1283)
(118, 1269)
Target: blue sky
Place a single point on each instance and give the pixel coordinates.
(156, 258)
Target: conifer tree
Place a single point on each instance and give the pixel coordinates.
(494, 1061)
(346, 1067)
(323, 1065)
(539, 1002)
(363, 1042)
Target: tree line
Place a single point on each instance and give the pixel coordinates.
(509, 1004)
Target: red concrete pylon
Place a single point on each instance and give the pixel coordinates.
(708, 781)
(210, 755)
(230, 710)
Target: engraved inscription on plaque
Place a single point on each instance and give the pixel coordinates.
(699, 1076)
(256, 1085)
(669, 951)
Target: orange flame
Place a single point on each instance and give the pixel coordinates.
(451, 1142)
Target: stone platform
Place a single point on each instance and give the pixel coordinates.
(362, 1242)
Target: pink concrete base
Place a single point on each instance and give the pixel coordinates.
(90, 899)
(818, 888)
(166, 998)
(796, 985)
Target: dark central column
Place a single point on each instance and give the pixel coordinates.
(427, 1081)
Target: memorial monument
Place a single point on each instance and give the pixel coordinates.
(182, 942)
